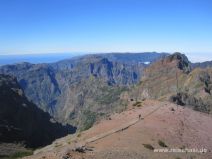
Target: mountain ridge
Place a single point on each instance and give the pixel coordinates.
(174, 79)
(68, 88)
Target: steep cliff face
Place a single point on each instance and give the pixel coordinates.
(92, 84)
(38, 82)
(23, 122)
(69, 88)
(173, 79)
(163, 77)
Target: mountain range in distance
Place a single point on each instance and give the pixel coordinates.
(49, 57)
(35, 58)
(57, 87)
(81, 91)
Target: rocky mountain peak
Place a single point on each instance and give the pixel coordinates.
(178, 56)
(181, 60)
(171, 64)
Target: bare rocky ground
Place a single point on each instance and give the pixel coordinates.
(123, 136)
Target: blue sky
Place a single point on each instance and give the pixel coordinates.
(48, 26)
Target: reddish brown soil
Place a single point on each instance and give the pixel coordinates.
(176, 126)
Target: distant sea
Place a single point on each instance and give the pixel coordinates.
(36, 58)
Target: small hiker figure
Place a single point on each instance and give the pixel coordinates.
(139, 116)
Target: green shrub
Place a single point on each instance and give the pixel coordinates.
(137, 104)
(89, 118)
(57, 144)
(110, 94)
(162, 144)
(183, 147)
(148, 146)
(20, 154)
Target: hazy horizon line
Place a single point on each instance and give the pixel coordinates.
(103, 52)
(192, 56)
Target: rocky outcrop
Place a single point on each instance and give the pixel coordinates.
(185, 99)
(181, 60)
(21, 121)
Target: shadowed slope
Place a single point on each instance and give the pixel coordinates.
(23, 122)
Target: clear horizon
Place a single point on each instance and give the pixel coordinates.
(81, 26)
